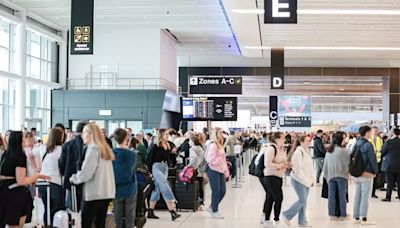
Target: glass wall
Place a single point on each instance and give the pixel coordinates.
(4, 45)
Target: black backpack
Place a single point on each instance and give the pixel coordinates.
(357, 164)
(258, 170)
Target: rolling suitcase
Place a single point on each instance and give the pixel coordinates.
(48, 218)
(187, 196)
(69, 218)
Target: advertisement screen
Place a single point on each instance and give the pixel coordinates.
(209, 108)
(294, 111)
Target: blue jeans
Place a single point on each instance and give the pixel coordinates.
(300, 205)
(218, 188)
(160, 174)
(232, 170)
(361, 199)
(337, 189)
(319, 163)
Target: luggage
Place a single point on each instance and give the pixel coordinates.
(69, 218)
(143, 192)
(48, 218)
(187, 174)
(187, 196)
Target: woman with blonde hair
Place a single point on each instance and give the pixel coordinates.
(157, 162)
(217, 171)
(97, 175)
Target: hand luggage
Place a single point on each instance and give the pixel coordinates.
(187, 195)
(69, 218)
(141, 209)
(39, 222)
(187, 174)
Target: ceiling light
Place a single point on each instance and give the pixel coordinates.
(341, 89)
(328, 12)
(307, 83)
(329, 48)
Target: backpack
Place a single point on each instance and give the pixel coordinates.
(357, 164)
(258, 170)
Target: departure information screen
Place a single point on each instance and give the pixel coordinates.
(294, 111)
(209, 108)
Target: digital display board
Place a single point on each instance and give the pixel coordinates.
(209, 108)
(215, 85)
(294, 111)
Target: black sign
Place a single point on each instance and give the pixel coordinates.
(280, 11)
(215, 85)
(277, 68)
(209, 108)
(273, 110)
(295, 121)
(82, 26)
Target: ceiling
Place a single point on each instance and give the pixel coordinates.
(322, 31)
(200, 25)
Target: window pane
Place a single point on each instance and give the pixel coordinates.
(4, 59)
(4, 34)
(34, 68)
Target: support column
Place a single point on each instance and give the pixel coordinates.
(20, 63)
(62, 59)
(394, 93)
(386, 101)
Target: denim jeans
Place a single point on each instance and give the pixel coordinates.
(232, 170)
(125, 209)
(56, 200)
(300, 206)
(160, 174)
(337, 189)
(218, 188)
(319, 163)
(363, 191)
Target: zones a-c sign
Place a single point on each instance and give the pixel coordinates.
(280, 11)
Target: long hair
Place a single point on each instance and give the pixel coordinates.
(139, 137)
(56, 138)
(99, 140)
(3, 144)
(273, 137)
(15, 144)
(214, 137)
(300, 140)
(337, 140)
(160, 137)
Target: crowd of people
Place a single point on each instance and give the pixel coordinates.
(109, 170)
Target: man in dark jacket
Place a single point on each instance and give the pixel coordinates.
(391, 164)
(319, 153)
(108, 140)
(70, 162)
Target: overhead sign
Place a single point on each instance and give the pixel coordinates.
(215, 85)
(294, 111)
(209, 108)
(105, 112)
(273, 110)
(82, 26)
(280, 11)
(277, 68)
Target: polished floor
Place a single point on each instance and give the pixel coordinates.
(242, 208)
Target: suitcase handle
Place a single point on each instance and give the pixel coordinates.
(47, 185)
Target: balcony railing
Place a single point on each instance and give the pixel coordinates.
(110, 80)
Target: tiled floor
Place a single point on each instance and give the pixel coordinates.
(242, 209)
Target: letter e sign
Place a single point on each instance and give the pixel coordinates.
(280, 12)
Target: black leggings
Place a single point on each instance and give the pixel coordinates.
(201, 190)
(266, 194)
(95, 211)
(274, 196)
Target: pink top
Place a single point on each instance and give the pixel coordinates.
(274, 164)
(216, 159)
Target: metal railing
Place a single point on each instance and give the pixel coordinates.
(111, 80)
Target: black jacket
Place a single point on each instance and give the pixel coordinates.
(319, 148)
(71, 159)
(109, 142)
(185, 147)
(391, 153)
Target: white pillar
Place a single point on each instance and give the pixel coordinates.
(62, 59)
(386, 101)
(20, 68)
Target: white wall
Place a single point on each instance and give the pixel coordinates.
(135, 51)
(168, 58)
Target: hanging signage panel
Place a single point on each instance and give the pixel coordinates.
(280, 12)
(215, 85)
(209, 108)
(82, 26)
(273, 110)
(277, 68)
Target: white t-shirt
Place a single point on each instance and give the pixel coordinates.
(50, 163)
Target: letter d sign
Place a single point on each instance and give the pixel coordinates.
(277, 83)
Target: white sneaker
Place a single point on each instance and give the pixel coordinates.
(285, 220)
(262, 219)
(268, 224)
(356, 221)
(209, 210)
(217, 215)
(368, 223)
(277, 224)
(305, 225)
(201, 208)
